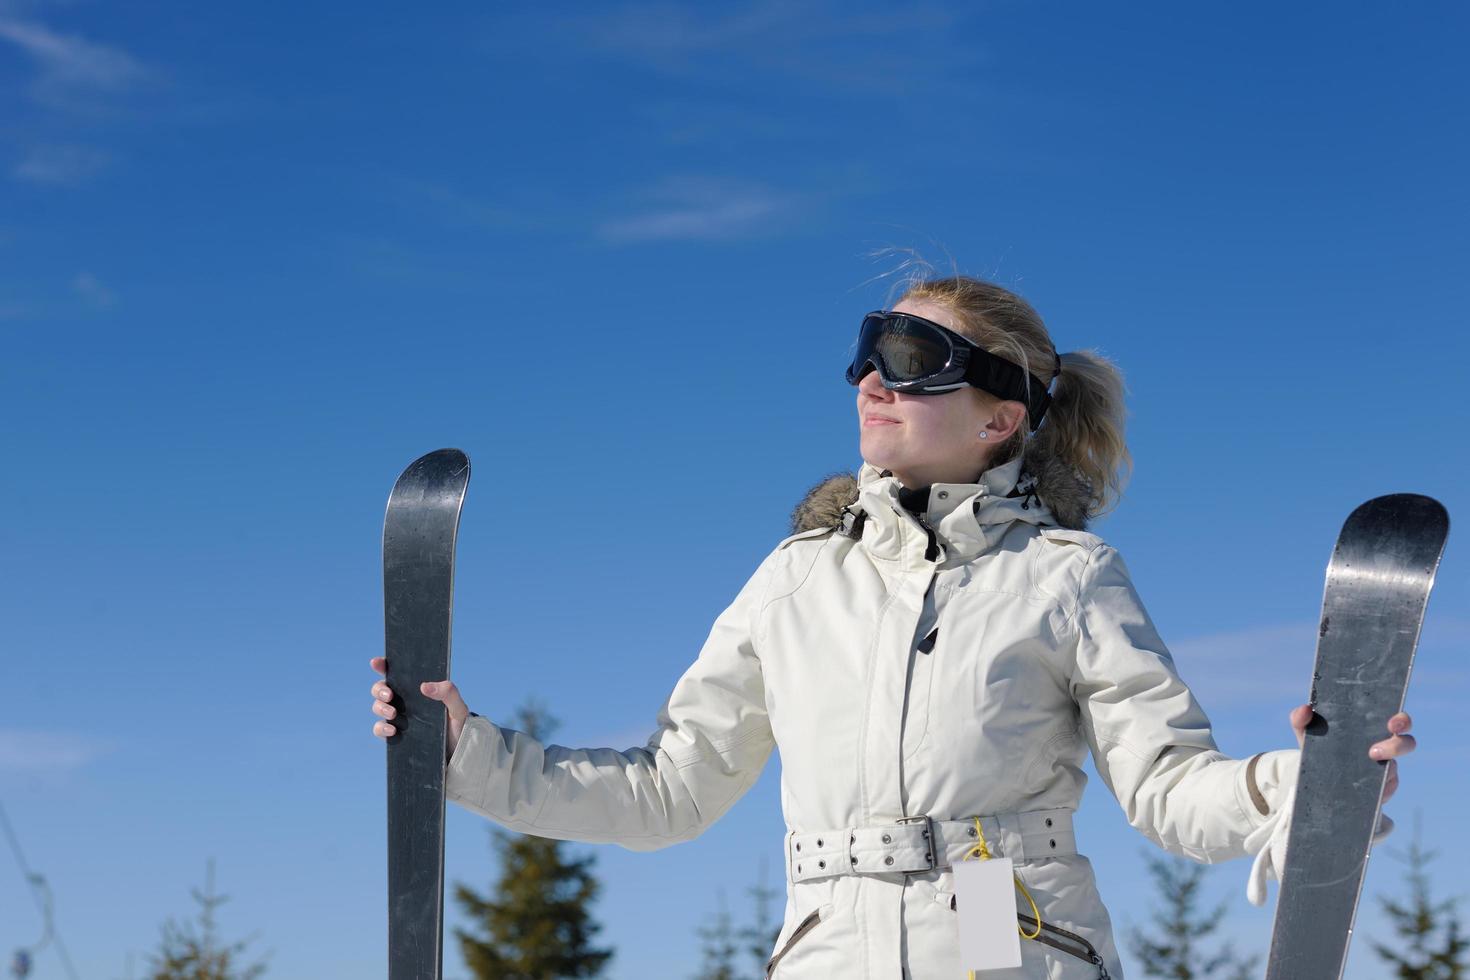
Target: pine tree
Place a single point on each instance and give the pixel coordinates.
(187, 952)
(719, 945)
(1181, 929)
(722, 943)
(538, 925)
(765, 928)
(1430, 945)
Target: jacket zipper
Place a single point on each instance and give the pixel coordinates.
(1088, 952)
(807, 925)
(932, 551)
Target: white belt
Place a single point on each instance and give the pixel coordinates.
(914, 845)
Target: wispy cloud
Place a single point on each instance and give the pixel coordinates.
(703, 209)
(657, 30)
(72, 69)
(74, 78)
(92, 292)
(815, 39)
(24, 750)
(1248, 666)
(60, 164)
(1273, 664)
(456, 206)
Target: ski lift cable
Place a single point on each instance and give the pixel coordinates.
(42, 904)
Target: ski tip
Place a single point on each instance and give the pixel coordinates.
(1394, 535)
(1402, 510)
(443, 457)
(442, 476)
(441, 463)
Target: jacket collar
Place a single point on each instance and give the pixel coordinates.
(967, 517)
(834, 502)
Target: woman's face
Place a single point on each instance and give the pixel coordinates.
(927, 439)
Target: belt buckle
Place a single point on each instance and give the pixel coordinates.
(929, 845)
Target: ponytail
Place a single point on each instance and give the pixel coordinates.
(1083, 431)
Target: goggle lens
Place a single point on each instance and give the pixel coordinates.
(907, 351)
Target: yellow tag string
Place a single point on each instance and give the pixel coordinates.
(982, 850)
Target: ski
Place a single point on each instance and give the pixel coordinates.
(1378, 584)
(418, 590)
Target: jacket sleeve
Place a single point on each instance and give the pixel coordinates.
(1149, 737)
(713, 739)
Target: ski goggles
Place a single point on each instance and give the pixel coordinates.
(919, 357)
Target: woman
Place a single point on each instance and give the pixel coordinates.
(940, 641)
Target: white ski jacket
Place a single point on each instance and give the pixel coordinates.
(912, 682)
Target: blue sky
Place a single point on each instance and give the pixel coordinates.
(254, 260)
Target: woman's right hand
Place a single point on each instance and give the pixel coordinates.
(444, 691)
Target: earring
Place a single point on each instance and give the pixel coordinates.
(984, 435)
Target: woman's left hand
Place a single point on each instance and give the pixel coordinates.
(1399, 743)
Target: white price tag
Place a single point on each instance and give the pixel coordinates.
(985, 899)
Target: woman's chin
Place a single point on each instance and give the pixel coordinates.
(879, 456)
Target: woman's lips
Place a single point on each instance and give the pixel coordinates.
(879, 420)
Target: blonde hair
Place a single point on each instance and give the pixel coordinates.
(1082, 431)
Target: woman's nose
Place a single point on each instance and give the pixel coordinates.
(871, 384)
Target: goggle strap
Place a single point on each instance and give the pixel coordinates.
(1005, 379)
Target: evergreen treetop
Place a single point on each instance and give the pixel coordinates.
(536, 922)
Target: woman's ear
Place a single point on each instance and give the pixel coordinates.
(1005, 419)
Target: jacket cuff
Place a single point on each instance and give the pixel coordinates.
(461, 782)
(1267, 784)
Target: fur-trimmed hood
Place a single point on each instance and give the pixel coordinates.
(1061, 489)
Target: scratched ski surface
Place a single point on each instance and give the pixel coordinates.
(418, 586)
(1378, 583)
